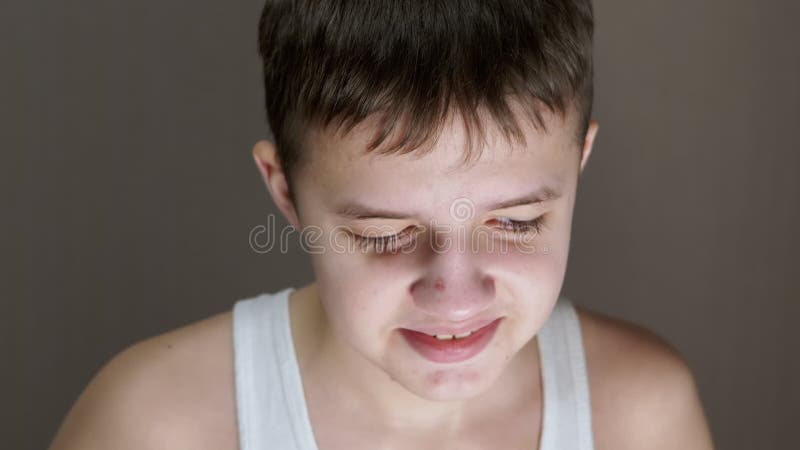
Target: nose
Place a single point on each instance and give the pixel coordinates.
(453, 288)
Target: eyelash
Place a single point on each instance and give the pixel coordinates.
(383, 244)
(525, 226)
(388, 244)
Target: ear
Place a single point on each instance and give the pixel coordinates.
(266, 157)
(588, 143)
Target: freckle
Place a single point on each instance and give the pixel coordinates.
(169, 345)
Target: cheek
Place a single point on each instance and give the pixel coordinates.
(361, 293)
(533, 260)
(351, 269)
(528, 282)
(528, 285)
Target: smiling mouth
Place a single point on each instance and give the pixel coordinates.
(451, 348)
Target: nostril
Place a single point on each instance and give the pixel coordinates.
(415, 287)
(488, 284)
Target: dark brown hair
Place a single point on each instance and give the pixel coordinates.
(336, 62)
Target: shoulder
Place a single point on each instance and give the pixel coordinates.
(643, 393)
(175, 390)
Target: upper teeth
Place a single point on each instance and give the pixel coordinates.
(446, 337)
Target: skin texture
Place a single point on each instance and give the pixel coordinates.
(176, 390)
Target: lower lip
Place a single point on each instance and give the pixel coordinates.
(451, 350)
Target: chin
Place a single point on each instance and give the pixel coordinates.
(453, 384)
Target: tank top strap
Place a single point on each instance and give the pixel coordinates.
(567, 420)
(270, 403)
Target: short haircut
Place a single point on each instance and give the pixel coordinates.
(333, 63)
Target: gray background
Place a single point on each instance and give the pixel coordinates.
(128, 193)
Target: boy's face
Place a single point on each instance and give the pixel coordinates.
(466, 266)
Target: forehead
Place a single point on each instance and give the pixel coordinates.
(339, 167)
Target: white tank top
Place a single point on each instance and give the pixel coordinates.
(271, 407)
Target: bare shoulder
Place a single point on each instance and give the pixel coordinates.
(175, 390)
(642, 390)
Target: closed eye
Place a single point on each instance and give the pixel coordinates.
(386, 244)
(533, 226)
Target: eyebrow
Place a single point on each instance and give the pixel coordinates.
(357, 211)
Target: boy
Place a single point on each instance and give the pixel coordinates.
(434, 147)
